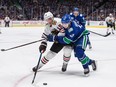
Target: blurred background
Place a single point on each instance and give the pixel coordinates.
(95, 10)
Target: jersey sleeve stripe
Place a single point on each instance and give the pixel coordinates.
(66, 40)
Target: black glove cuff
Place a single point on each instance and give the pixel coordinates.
(44, 43)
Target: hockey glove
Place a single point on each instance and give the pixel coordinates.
(42, 47)
(51, 38)
(55, 32)
(61, 29)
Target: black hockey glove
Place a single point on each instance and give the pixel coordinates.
(55, 32)
(42, 47)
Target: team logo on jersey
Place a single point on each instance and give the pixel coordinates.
(77, 21)
(72, 35)
(70, 30)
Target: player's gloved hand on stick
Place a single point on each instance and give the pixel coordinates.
(42, 47)
(55, 32)
(51, 38)
(61, 29)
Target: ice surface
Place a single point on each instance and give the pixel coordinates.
(16, 65)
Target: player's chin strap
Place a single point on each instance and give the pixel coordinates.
(22, 45)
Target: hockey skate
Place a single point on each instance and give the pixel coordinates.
(64, 67)
(86, 72)
(112, 32)
(107, 32)
(94, 65)
(90, 47)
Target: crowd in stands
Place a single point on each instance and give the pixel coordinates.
(34, 9)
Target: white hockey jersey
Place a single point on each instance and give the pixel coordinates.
(49, 28)
(110, 20)
(7, 19)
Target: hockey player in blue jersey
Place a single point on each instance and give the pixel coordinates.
(79, 18)
(78, 36)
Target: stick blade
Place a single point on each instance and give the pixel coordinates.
(3, 50)
(32, 82)
(107, 34)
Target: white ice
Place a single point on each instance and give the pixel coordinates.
(16, 65)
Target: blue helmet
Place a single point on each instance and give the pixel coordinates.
(66, 18)
(75, 9)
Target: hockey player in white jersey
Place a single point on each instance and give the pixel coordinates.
(7, 21)
(53, 27)
(110, 23)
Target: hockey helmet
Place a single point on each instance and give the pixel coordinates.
(66, 19)
(48, 15)
(75, 9)
(110, 15)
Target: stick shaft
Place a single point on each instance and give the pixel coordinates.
(23, 45)
(37, 68)
(99, 33)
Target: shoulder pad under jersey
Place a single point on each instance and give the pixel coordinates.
(81, 15)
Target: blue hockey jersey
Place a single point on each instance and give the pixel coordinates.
(72, 34)
(79, 19)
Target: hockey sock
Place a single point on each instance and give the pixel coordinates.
(66, 59)
(85, 62)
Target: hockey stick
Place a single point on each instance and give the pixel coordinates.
(37, 68)
(22, 45)
(100, 34)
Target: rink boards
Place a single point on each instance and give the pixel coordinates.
(40, 23)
